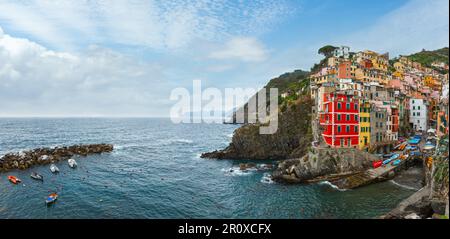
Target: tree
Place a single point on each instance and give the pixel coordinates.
(327, 50)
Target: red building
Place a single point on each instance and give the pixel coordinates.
(340, 120)
(367, 64)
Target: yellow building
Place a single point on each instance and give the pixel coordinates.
(432, 82)
(367, 76)
(398, 74)
(380, 63)
(399, 67)
(428, 81)
(364, 124)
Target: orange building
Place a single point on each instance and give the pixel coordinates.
(344, 70)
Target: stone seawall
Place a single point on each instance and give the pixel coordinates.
(41, 156)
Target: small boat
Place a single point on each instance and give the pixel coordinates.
(51, 198)
(388, 155)
(429, 146)
(14, 180)
(72, 163)
(395, 156)
(396, 162)
(54, 169)
(387, 161)
(37, 176)
(377, 164)
(399, 146)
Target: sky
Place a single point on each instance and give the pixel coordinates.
(123, 58)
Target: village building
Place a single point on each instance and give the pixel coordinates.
(364, 124)
(378, 119)
(339, 120)
(362, 102)
(418, 114)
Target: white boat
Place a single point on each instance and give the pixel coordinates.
(54, 169)
(72, 163)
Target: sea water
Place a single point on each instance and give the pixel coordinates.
(155, 171)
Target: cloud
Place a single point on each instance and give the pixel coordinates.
(416, 25)
(38, 81)
(161, 25)
(241, 48)
(220, 68)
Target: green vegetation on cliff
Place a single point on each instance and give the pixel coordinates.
(292, 138)
(294, 83)
(426, 58)
(288, 81)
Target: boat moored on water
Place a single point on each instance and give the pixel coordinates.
(72, 163)
(37, 176)
(51, 198)
(54, 169)
(14, 179)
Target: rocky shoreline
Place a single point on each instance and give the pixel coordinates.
(323, 164)
(42, 156)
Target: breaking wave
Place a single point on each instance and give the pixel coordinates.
(236, 171)
(403, 186)
(332, 185)
(267, 178)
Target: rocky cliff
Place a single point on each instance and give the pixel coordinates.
(291, 83)
(292, 138)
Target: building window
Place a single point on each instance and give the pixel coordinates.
(418, 113)
(356, 129)
(356, 107)
(356, 117)
(339, 106)
(339, 117)
(348, 106)
(347, 117)
(339, 129)
(347, 129)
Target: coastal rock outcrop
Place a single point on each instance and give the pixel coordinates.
(417, 206)
(292, 138)
(323, 164)
(25, 159)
